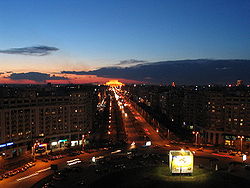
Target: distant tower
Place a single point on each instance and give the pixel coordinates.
(173, 84)
(239, 82)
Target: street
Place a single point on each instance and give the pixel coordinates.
(137, 132)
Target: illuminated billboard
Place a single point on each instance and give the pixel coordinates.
(181, 161)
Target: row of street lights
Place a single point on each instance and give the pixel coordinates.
(196, 133)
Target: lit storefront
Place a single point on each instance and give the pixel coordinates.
(229, 140)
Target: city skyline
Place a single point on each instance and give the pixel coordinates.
(51, 37)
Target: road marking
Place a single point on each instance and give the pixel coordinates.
(35, 174)
(26, 177)
(44, 169)
(117, 151)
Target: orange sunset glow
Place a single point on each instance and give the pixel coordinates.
(69, 79)
(114, 83)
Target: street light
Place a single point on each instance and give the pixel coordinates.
(196, 137)
(241, 139)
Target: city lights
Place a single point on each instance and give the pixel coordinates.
(124, 93)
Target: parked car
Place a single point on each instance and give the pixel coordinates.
(21, 169)
(6, 175)
(14, 172)
(45, 160)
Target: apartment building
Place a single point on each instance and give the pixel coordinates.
(55, 117)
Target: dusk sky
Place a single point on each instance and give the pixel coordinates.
(50, 36)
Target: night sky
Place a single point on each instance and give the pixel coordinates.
(44, 38)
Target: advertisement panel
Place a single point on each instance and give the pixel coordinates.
(181, 161)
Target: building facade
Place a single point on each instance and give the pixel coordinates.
(55, 117)
(221, 114)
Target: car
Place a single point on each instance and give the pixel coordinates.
(6, 175)
(14, 172)
(57, 177)
(45, 160)
(31, 164)
(200, 149)
(82, 182)
(247, 167)
(21, 169)
(49, 184)
(60, 156)
(11, 173)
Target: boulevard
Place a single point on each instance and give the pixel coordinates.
(138, 132)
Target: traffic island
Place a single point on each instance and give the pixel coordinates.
(161, 177)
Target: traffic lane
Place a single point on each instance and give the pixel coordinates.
(207, 159)
(130, 129)
(148, 129)
(150, 132)
(12, 182)
(39, 165)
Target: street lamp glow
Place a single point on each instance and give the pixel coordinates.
(196, 136)
(241, 139)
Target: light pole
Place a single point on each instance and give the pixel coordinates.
(241, 139)
(196, 136)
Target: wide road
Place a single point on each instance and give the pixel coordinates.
(136, 125)
(41, 170)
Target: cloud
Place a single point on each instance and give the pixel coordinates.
(223, 68)
(33, 51)
(75, 72)
(35, 76)
(131, 61)
(189, 72)
(57, 78)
